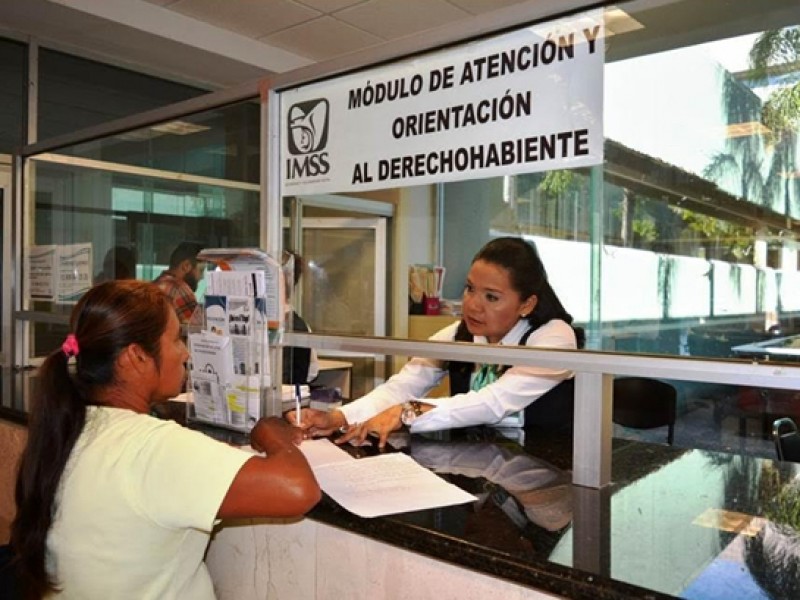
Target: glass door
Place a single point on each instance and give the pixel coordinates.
(343, 288)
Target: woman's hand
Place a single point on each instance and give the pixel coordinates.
(383, 424)
(317, 423)
(273, 434)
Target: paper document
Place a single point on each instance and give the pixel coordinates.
(379, 485)
(323, 452)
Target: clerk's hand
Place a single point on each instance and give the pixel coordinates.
(382, 424)
(317, 423)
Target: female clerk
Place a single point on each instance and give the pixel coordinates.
(508, 301)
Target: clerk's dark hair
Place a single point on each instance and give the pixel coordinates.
(299, 264)
(528, 278)
(107, 319)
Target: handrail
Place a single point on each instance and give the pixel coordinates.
(724, 371)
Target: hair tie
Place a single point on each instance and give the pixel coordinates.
(70, 346)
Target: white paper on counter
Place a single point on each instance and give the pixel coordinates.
(378, 485)
(386, 484)
(323, 452)
(317, 452)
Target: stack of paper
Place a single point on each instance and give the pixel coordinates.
(379, 485)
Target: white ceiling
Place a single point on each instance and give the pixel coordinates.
(220, 43)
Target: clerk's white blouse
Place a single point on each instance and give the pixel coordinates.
(512, 392)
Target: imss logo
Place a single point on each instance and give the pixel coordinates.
(308, 136)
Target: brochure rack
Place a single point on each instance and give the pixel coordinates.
(231, 336)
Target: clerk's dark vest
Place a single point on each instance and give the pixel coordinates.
(555, 408)
(296, 361)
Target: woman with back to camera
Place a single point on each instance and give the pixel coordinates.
(507, 300)
(114, 503)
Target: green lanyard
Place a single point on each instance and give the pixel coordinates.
(486, 374)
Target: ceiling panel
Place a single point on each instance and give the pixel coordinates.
(477, 7)
(329, 6)
(246, 17)
(218, 43)
(322, 39)
(390, 19)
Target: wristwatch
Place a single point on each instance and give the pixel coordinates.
(410, 411)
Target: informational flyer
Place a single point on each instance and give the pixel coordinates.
(247, 272)
(60, 273)
(41, 272)
(212, 355)
(73, 272)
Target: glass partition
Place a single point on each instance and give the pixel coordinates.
(13, 58)
(685, 242)
(75, 92)
(138, 194)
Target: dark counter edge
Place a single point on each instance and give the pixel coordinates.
(537, 574)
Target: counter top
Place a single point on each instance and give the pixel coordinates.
(675, 522)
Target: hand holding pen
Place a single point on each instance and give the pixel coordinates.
(317, 423)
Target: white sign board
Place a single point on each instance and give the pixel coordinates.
(59, 273)
(73, 272)
(530, 100)
(41, 272)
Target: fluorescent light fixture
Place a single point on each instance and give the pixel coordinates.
(172, 127)
(618, 21)
(615, 21)
(138, 135)
(179, 127)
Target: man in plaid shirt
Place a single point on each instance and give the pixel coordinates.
(179, 282)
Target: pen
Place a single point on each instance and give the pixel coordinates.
(297, 403)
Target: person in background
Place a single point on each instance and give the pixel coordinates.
(119, 263)
(180, 281)
(508, 301)
(114, 503)
(300, 365)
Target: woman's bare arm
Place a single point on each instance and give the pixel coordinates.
(281, 484)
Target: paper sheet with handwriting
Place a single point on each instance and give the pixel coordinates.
(379, 485)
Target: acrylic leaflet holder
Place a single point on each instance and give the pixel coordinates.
(230, 339)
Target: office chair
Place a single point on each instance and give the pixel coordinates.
(644, 403)
(787, 439)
